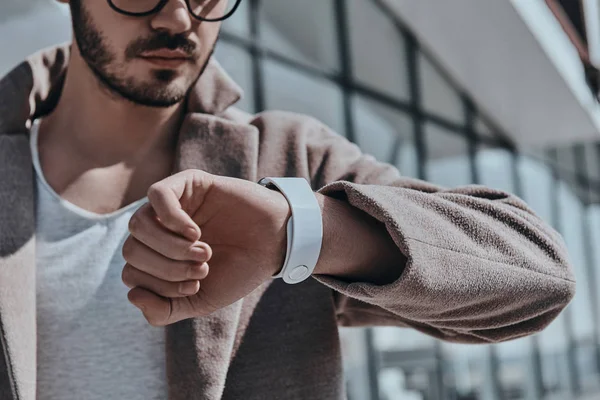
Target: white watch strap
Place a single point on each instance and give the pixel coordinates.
(304, 228)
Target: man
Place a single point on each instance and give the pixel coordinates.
(144, 188)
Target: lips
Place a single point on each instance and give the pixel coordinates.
(164, 53)
(166, 58)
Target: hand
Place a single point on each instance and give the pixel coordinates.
(194, 218)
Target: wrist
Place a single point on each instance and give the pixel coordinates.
(331, 210)
(282, 214)
(356, 246)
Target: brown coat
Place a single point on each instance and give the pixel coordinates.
(481, 266)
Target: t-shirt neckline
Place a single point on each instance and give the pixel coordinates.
(65, 203)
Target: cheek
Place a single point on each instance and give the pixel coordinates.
(115, 30)
(122, 35)
(208, 32)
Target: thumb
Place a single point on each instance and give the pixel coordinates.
(165, 198)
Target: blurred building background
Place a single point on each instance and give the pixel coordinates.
(496, 92)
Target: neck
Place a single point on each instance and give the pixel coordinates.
(106, 129)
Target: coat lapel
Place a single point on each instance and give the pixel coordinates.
(17, 270)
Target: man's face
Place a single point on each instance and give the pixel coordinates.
(152, 60)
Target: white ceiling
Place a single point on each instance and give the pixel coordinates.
(513, 58)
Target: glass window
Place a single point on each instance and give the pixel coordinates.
(18, 40)
(447, 157)
(566, 158)
(482, 128)
(396, 384)
(239, 22)
(392, 338)
(287, 89)
(238, 63)
(495, 170)
(494, 166)
(571, 219)
(592, 153)
(374, 37)
(536, 153)
(593, 214)
(594, 195)
(303, 31)
(385, 133)
(467, 370)
(514, 373)
(409, 364)
(439, 96)
(537, 183)
(354, 354)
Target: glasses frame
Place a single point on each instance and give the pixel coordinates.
(162, 3)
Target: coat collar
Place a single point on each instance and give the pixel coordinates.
(198, 350)
(33, 88)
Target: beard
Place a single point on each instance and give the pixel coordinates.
(101, 61)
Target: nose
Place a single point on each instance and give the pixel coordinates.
(173, 18)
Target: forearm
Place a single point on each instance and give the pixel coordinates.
(356, 247)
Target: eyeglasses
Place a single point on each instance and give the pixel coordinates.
(203, 10)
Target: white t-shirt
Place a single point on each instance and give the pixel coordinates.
(92, 343)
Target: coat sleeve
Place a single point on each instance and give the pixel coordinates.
(482, 267)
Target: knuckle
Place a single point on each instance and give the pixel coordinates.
(134, 223)
(204, 269)
(198, 271)
(128, 249)
(158, 316)
(154, 190)
(152, 320)
(191, 173)
(209, 252)
(163, 289)
(125, 275)
(201, 248)
(173, 275)
(199, 252)
(174, 308)
(169, 218)
(188, 252)
(175, 291)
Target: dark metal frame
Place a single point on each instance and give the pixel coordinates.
(414, 108)
(162, 3)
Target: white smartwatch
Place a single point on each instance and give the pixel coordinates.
(304, 228)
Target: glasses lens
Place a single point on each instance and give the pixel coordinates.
(135, 6)
(212, 9)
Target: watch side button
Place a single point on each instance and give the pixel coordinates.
(299, 272)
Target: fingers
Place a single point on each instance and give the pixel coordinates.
(161, 311)
(133, 277)
(165, 259)
(147, 260)
(156, 309)
(165, 198)
(144, 226)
